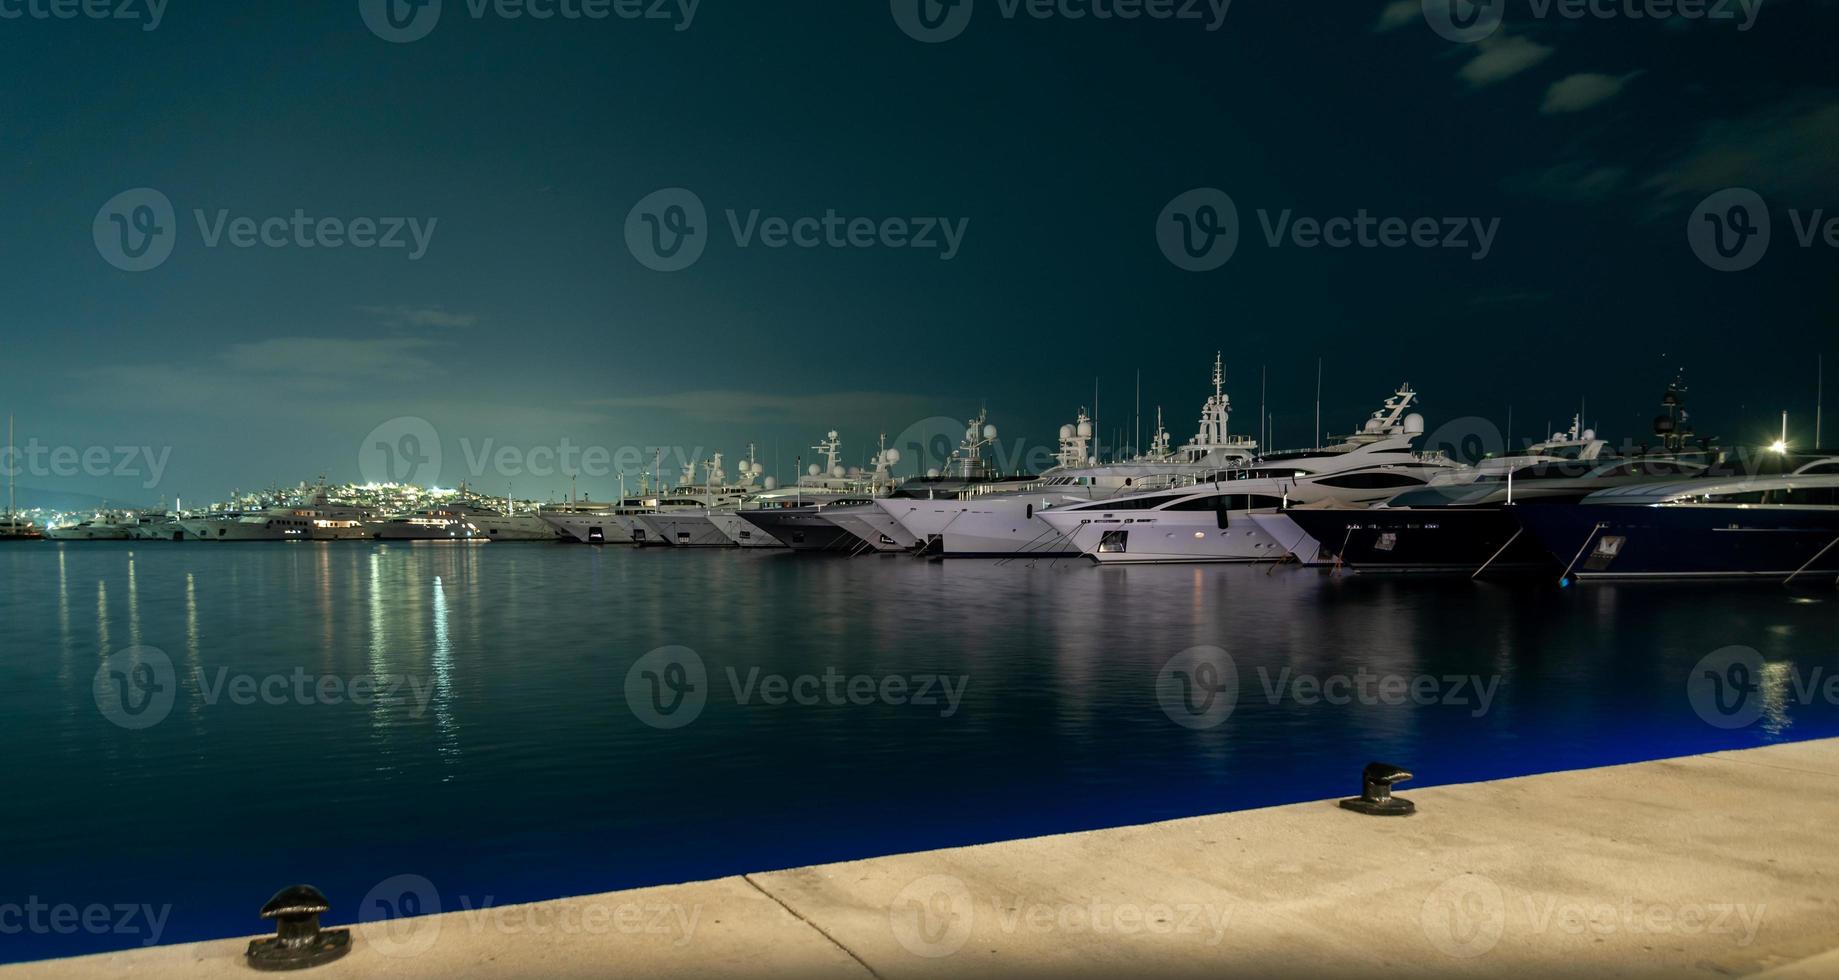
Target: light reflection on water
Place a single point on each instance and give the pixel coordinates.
(510, 764)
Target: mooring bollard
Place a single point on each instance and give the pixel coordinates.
(1376, 797)
(298, 942)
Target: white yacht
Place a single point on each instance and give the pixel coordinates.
(836, 505)
(1008, 524)
(802, 521)
(1210, 521)
(100, 526)
(688, 521)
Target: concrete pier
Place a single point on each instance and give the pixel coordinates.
(1717, 865)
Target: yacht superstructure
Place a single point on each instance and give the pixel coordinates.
(1210, 520)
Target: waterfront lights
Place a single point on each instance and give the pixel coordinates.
(1779, 446)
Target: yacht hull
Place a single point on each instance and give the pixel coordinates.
(1002, 528)
(1161, 537)
(804, 530)
(1426, 539)
(686, 530)
(1603, 541)
(589, 528)
(106, 533)
(741, 533)
(873, 527)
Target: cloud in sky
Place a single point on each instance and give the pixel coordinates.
(1575, 93)
(1790, 149)
(1397, 14)
(1502, 57)
(420, 316)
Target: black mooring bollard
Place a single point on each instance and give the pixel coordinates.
(1376, 797)
(298, 942)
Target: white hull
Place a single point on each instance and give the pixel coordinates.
(1300, 545)
(743, 534)
(589, 528)
(98, 532)
(686, 530)
(874, 527)
(1148, 537)
(517, 528)
(1003, 526)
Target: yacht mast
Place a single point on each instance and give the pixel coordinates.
(12, 467)
(1318, 403)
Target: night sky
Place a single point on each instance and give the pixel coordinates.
(1053, 145)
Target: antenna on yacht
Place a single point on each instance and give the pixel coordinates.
(1264, 437)
(1318, 403)
(1099, 450)
(1819, 402)
(1136, 441)
(11, 468)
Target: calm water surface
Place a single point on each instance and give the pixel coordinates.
(512, 764)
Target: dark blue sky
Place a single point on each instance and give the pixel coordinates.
(530, 323)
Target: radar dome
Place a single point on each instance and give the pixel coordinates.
(1085, 430)
(855, 471)
(892, 456)
(833, 433)
(934, 472)
(1414, 424)
(1066, 432)
(719, 476)
(989, 432)
(970, 434)
(1373, 425)
(837, 472)
(759, 468)
(1589, 433)
(771, 483)
(814, 469)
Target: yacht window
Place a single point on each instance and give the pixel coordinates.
(1230, 501)
(1832, 467)
(1747, 497)
(1804, 497)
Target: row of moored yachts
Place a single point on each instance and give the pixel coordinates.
(1571, 504)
